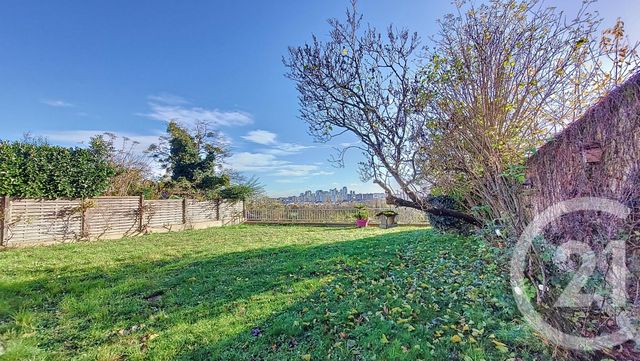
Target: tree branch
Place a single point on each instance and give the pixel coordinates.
(400, 202)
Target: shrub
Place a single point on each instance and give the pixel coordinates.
(446, 223)
(361, 212)
(132, 169)
(387, 213)
(40, 170)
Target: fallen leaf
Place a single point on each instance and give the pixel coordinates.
(384, 339)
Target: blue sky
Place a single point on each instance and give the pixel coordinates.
(70, 69)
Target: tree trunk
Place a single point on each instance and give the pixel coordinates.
(391, 199)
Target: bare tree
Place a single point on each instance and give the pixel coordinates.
(132, 167)
(364, 82)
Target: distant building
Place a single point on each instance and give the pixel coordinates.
(331, 196)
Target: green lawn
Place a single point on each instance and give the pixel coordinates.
(262, 292)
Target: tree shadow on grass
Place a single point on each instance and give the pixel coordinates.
(388, 298)
(189, 307)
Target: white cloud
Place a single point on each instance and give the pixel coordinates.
(322, 172)
(287, 149)
(265, 137)
(194, 114)
(270, 164)
(57, 103)
(295, 170)
(261, 137)
(254, 162)
(166, 107)
(291, 181)
(166, 98)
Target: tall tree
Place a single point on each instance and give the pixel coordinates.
(194, 161)
(500, 80)
(364, 82)
(190, 154)
(192, 158)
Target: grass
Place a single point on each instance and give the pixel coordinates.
(262, 292)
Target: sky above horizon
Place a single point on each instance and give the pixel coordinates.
(73, 69)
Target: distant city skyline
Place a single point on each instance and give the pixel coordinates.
(334, 195)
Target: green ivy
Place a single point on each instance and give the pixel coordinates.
(515, 172)
(30, 170)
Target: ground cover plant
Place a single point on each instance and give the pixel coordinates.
(262, 293)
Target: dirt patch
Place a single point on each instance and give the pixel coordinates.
(154, 297)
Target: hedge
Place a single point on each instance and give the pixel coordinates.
(30, 170)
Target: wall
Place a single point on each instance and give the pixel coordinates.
(598, 155)
(36, 221)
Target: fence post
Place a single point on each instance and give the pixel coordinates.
(184, 211)
(5, 208)
(218, 202)
(141, 213)
(83, 219)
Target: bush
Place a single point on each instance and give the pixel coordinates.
(237, 192)
(387, 213)
(30, 170)
(446, 223)
(361, 212)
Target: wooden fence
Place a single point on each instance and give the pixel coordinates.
(317, 215)
(37, 221)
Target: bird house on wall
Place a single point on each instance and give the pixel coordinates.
(592, 153)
